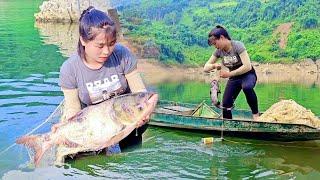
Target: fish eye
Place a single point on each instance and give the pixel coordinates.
(140, 107)
(142, 95)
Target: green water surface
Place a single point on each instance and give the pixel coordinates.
(29, 92)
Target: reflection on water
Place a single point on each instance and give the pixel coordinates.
(64, 36)
(21, 52)
(268, 94)
(29, 92)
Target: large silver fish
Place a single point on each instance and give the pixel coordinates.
(92, 129)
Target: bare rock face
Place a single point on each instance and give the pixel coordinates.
(310, 65)
(266, 71)
(150, 50)
(67, 11)
(318, 65)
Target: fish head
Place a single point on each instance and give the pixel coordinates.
(130, 108)
(214, 84)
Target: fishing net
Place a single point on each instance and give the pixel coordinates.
(288, 111)
(49, 157)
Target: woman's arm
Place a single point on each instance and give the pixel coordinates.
(246, 65)
(136, 85)
(135, 81)
(71, 103)
(210, 64)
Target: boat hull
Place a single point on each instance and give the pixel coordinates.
(241, 126)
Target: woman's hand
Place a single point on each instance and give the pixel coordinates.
(151, 104)
(210, 67)
(216, 66)
(225, 74)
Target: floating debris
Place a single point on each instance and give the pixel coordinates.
(207, 140)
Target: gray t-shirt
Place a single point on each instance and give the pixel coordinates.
(95, 86)
(231, 59)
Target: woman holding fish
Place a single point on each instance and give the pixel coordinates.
(100, 70)
(241, 74)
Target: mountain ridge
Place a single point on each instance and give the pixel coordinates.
(178, 29)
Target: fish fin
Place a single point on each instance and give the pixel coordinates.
(69, 143)
(78, 117)
(117, 138)
(36, 144)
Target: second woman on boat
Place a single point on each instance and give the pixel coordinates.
(241, 74)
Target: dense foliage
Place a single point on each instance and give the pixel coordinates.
(178, 29)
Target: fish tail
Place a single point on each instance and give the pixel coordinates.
(36, 144)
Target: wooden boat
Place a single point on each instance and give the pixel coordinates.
(208, 118)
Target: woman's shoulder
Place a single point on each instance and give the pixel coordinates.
(237, 43)
(71, 62)
(124, 58)
(238, 46)
(121, 49)
(122, 53)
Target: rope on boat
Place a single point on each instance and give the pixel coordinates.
(36, 128)
(222, 129)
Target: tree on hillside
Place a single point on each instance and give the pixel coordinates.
(309, 23)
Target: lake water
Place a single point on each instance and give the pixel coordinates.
(29, 93)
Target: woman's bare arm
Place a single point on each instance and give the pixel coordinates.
(71, 103)
(246, 65)
(135, 81)
(210, 64)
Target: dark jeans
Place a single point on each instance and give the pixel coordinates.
(133, 139)
(234, 85)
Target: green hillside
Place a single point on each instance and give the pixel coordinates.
(178, 29)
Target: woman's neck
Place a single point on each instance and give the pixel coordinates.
(92, 64)
(228, 46)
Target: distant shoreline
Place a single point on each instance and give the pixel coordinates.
(302, 73)
(66, 38)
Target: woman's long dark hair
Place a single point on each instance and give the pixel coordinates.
(93, 18)
(216, 33)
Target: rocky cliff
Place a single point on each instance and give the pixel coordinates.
(67, 11)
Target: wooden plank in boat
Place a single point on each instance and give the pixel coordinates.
(175, 110)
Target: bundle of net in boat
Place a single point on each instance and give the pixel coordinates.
(288, 111)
